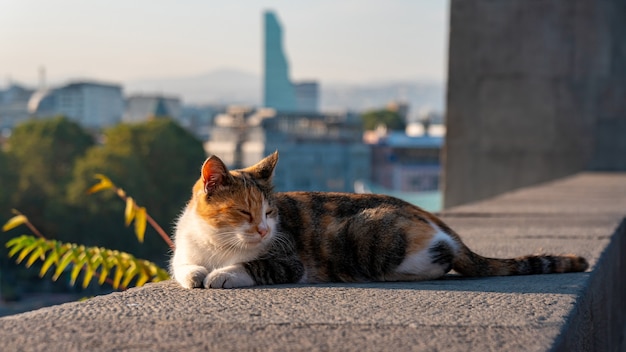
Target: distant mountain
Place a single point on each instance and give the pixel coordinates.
(224, 86)
(358, 97)
(230, 86)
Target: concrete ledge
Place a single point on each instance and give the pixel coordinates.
(583, 214)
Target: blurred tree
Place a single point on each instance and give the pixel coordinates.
(98, 219)
(156, 162)
(172, 157)
(389, 118)
(8, 182)
(42, 153)
(34, 173)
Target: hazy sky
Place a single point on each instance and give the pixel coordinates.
(121, 40)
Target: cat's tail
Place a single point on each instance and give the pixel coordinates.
(469, 263)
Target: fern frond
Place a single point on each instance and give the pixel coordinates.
(53, 258)
(29, 245)
(106, 269)
(86, 260)
(79, 263)
(130, 273)
(66, 259)
(38, 253)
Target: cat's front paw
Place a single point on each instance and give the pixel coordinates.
(190, 276)
(229, 277)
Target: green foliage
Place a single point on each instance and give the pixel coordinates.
(47, 166)
(168, 155)
(391, 119)
(42, 153)
(8, 183)
(156, 162)
(119, 268)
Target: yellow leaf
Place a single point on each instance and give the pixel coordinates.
(16, 244)
(74, 273)
(129, 212)
(26, 250)
(14, 222)
(67, 258)
(38, 253)
(119, 272)
(130, 273)
(106, 268)
(78, 261)
(105, 183)
(89, 269)
(162, 275)
(96, 258)
(53, 258)
(140, 223)
(143, 278)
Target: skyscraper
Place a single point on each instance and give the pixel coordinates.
(278, 91)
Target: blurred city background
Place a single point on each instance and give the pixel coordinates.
(351, 94)
(440, 103)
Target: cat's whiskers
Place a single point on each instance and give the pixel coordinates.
(280, 244)
(231, 248)
(237, 240)
(229, 239)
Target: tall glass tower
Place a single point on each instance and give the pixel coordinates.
(278, 91)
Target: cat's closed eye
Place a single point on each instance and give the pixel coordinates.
(245, 213)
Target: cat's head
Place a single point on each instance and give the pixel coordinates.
(238, 204)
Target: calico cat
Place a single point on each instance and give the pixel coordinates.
(235, 231)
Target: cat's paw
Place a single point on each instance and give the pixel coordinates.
(191, 276)
(229, 277)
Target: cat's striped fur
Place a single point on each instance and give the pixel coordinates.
(235, 231)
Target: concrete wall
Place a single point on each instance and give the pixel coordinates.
(536, 91)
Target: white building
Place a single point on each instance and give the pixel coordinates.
(91, 104)
(141, 108)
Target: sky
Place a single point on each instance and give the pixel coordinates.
(347, 41)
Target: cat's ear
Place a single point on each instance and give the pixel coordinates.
(214, 174)
(264, 169)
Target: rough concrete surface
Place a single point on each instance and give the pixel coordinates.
(535, 92)
(529, 313)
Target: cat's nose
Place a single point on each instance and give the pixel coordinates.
(262, 230)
